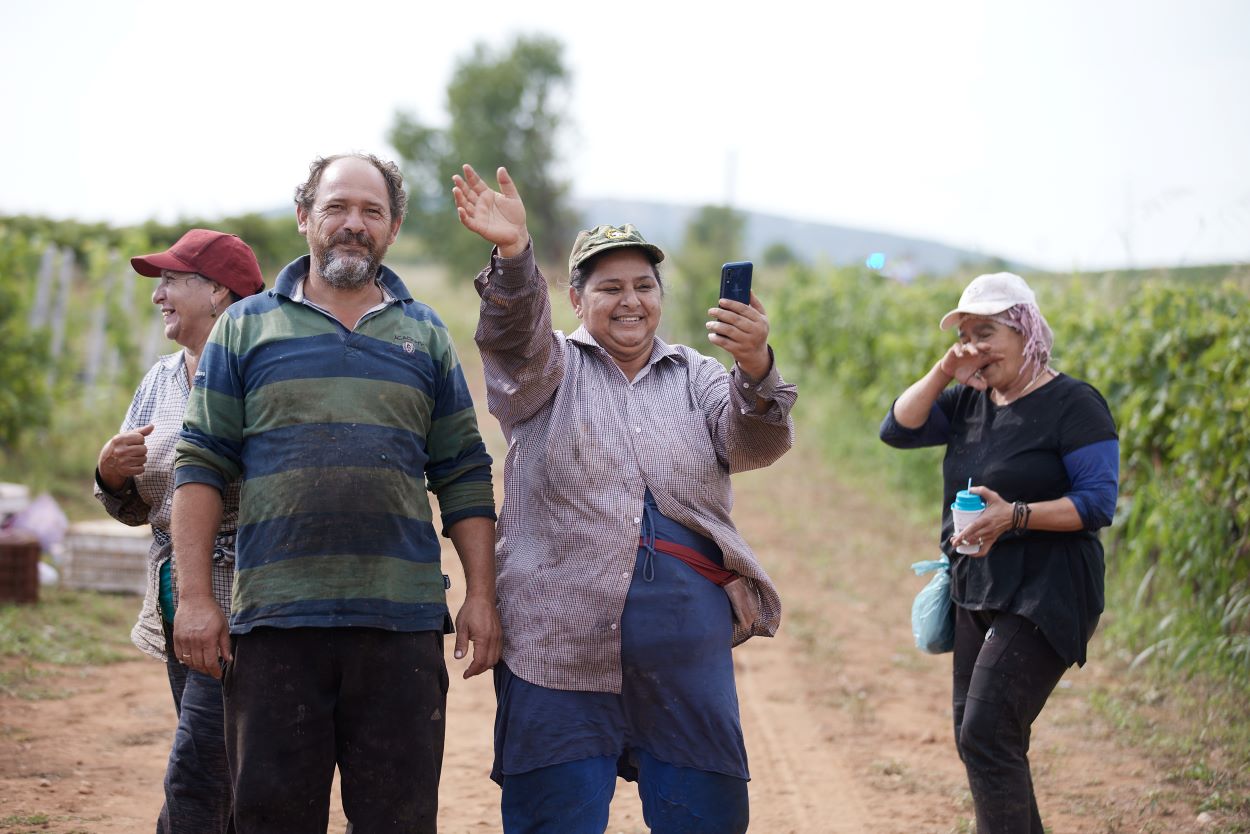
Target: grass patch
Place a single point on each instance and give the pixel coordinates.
(65, 628)
(25, 819)
(14, 823)
(1196, 730)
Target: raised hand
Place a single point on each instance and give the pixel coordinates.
(498, 216)
(124, 456)
(964, 362)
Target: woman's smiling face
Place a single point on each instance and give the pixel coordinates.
(1001, 347)
(620, 304)
(186, 303)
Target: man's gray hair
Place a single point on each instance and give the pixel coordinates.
(306, 192)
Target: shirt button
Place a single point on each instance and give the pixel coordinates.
(613, 626)
(746, 385)
(637, 519)
(624, 574)
(637, 430)
(744, 411)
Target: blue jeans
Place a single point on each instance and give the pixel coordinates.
(573, 798)
(197, 779)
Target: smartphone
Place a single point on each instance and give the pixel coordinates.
(735, 281)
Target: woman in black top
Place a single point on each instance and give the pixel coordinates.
(1042, 449)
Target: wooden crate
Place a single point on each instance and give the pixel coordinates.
(107, 556)
(19, 567)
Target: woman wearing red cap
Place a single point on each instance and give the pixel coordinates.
(1027, 577)
(200, 276)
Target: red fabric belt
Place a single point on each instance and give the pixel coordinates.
(705, 566)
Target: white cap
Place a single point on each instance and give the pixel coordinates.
(990, 294)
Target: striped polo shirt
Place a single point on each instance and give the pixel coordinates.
(336, 435)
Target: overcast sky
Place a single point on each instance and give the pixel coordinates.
(1063, 134)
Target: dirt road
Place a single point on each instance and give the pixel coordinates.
(847, 725)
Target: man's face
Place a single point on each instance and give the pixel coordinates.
(349, 226)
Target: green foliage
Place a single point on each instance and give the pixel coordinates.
(70, 233)
(109, 324)
(25, 401)
(275, 240)
(1177, 375)
(779, 254)
(506, 108)
(1173, 361)
(713, 236)
(103, 312)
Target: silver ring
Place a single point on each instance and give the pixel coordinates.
(186, 656)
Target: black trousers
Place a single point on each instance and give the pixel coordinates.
(299, 701)
(1005, 671)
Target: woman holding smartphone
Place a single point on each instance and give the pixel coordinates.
(623, 583)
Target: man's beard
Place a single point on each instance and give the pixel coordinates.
(349, 271)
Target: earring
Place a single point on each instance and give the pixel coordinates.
(213, 314)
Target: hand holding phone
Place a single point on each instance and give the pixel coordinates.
(744, 334)
(735, 281)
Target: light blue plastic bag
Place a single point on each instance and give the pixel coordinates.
(932, 613)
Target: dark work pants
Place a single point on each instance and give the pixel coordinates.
(1004, 672)
(301, 700)
(197, 778)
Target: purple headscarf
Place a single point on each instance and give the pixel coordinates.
(1029, 322)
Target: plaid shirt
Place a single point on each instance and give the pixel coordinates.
(148, 499)
(584, 445)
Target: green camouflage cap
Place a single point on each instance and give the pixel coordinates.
(591, 242)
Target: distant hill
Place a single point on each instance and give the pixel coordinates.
(665, 224)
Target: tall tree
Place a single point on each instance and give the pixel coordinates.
(506, 108)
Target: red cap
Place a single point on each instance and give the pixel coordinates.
(223, 258)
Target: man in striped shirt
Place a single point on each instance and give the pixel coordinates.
(337, 399)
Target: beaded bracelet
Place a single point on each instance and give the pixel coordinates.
(1020, 513)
